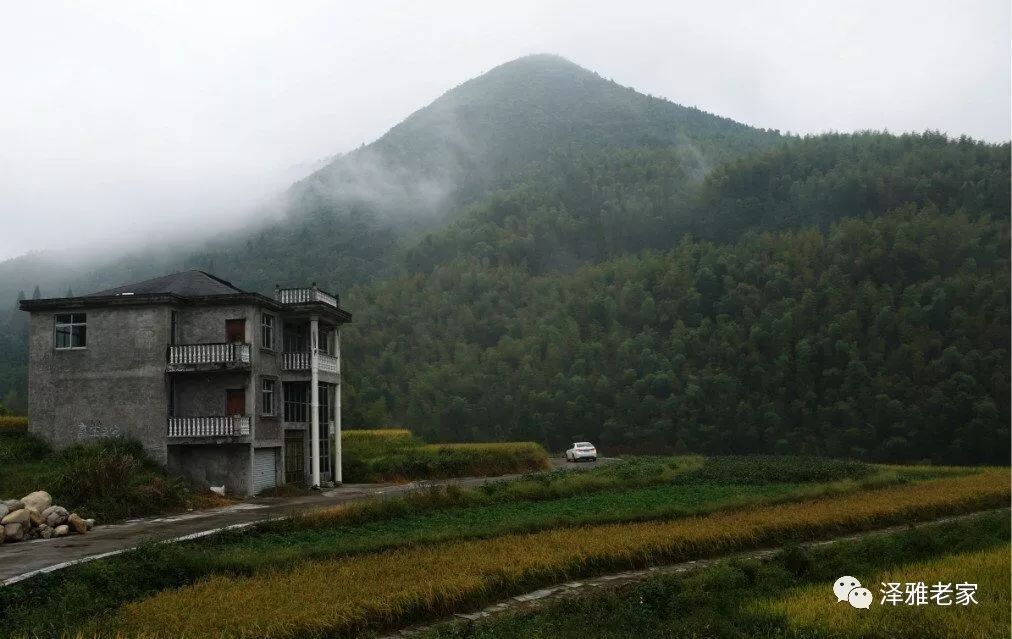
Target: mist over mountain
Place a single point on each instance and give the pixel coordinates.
(542, 253)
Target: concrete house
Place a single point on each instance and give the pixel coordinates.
(224, 386)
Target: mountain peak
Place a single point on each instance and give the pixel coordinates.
(507, 119)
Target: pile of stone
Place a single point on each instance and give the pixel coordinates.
(35, 517)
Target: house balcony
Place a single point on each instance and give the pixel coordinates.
(208, 357)
(234, 426)
(305, 296)
(302, 361)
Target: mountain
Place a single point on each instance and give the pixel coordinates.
(489, 128)
(541, 253)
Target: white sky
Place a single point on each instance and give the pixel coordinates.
(134, 120)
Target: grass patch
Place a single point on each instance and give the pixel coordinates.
(109, 479)
(371, 456)
(719, 601)
(342, 596)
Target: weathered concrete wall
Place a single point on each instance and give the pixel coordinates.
(228, 465)
(115, 386)
(204, 394)
(267, 363)
(206, 324)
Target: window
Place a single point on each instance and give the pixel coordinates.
(296, 401)
(267, 331)
(71, 330)
(174, 329)
(267, 397)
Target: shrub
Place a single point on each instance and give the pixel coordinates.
(114, 479)
(108, 479)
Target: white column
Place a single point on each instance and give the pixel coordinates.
(337, 410)
(314, 401)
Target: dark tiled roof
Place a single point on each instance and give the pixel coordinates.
(186, 284)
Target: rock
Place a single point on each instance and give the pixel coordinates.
(2, 534)
(14, 504)
(90, 522)
(77, 524)
(45, 532)
(61, 531)
(56, 515)
(36, 519)
(19, 516)
(14, 532)
(37, 501)
(3, 510)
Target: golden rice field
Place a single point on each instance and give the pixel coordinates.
(386, 588)
(13, 424)
(814, 608)
(398, 455)
(370, 433)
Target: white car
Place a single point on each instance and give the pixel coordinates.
(581, 450)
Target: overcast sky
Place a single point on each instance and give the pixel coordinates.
(132, 120)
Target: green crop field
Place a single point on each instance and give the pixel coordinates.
(499, 538)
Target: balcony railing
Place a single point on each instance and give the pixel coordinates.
(234, 426)
(305, 296)
(327, 363)
(302, 362)
(235, 354)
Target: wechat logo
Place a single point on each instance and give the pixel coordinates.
(849, 589)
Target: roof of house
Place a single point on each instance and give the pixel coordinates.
(193, 287)
(193, 283)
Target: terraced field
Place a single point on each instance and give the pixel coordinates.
(386, 564)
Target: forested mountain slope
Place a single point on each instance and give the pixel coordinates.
(545, 254)
(884, 338)
(347, 223)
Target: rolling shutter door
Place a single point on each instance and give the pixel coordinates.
(264, 468)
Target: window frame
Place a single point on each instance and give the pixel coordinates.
(273, 383)
(267, 329)
(71, 324)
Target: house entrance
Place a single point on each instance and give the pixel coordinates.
(295, 458)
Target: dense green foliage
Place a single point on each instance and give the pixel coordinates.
(886, 337)
(713, 602)
(108, 480)
(545, 255)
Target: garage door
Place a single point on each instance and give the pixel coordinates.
(264, 464)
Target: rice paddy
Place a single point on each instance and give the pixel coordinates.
(808, 610)
(390, 587)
